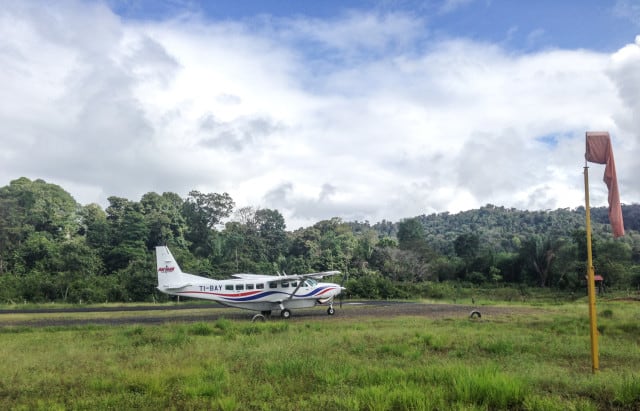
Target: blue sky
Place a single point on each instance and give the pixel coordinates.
(516, 24)
(363, 110)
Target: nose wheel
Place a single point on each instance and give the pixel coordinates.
(286, 314)
(331, 310)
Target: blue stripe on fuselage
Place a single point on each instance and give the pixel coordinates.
(264, 294)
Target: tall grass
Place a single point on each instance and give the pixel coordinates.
(534, 362)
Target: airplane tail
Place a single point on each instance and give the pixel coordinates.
(169, 272)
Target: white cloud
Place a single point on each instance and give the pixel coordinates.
(629, 9)
(356, 32)
(624, 71)
(376, 122)
(450, 6)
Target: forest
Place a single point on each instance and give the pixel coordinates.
(53, 249)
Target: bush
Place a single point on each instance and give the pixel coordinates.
(476, 277)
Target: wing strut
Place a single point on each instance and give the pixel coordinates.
(297, 288)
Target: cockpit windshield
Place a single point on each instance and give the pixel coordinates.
(310, 282)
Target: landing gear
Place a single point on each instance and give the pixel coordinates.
(266, 313)
(331, 311)
(258, 317)
(286, 314)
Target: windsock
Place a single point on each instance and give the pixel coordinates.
(599, 151)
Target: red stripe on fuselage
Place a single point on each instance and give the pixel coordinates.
(326, 291)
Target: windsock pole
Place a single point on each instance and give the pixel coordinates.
(593, 328)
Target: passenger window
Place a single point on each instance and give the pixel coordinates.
(249, 286)
(273, 285)
(260, 286)
(239, 287)
(228, 287)
(294, 284)
(284, 284)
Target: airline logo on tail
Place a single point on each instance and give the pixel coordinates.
(165, 269)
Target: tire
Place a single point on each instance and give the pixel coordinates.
(286, 314)
(331, 311)
(259, 318)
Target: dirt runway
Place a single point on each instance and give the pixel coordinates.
(154, 314)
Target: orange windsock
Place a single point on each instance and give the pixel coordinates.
(599, 151)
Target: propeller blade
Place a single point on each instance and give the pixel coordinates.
(344, 279)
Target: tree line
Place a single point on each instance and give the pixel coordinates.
(54, 249)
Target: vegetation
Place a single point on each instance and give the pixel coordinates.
(54, 249)
(537, 361)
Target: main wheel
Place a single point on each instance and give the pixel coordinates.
(286, 314)
(258, 317)
(331, 311)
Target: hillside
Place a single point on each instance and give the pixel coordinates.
(54, 249)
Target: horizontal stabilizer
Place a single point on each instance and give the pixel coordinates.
(175, 287)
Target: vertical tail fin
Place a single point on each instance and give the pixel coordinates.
(169, 271)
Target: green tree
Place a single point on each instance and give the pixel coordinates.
(538, 253)
(467, 247)
(138, 280)
(129, 232)
(411, 235)
(95, 228)
(37, 253)
(405, 265)
(614, 262)
(46, 207)
(272, 229)
(202, 212)
(163, 216)
(243, 246)
(33, 206)
(77, 267)
(12, 231)
(365, 248)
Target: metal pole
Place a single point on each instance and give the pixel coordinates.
(593, 328)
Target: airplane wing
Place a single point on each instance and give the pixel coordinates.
(318, 275)
(308, 275)
(254, 276)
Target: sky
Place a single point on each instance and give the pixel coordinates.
(359, 109)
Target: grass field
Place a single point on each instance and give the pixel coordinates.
(538, 361)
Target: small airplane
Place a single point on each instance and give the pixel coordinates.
(257, 292)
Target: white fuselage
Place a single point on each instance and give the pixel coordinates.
(257, 292)
(261, 293)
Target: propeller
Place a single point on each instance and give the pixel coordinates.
(344, 279)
